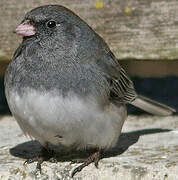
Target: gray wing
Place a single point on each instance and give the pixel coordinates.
(121, 87)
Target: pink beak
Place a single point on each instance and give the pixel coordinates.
(25, 29)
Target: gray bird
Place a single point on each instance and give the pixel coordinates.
(65, 87)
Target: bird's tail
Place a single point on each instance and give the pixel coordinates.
(152, 106)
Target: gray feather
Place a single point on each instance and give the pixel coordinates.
(152, 106)
(122, 89)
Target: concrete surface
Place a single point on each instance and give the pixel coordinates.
(147, 150)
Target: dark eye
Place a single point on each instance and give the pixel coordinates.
(51, 24)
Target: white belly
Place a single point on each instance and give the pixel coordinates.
(67, 120)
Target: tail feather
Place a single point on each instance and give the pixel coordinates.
(152, 106)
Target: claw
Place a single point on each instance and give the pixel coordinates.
(93, 158)
(77, 169)
(29, 161)
(42, 157)
(38, 167)
(53, 160)
(97, 161)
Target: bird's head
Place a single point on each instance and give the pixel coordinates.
(51, 21)
(59, 29)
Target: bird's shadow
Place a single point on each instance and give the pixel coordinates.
(32, 149)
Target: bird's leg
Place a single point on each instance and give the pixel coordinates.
(45, 154)
(95, 157)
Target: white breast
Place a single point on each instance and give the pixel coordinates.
(69, 120)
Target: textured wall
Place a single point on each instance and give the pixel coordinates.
(143, 29)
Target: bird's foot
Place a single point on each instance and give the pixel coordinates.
(44, 156)
(39, 161)
(95, 157)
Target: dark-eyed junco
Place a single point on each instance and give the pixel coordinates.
(65, 87)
